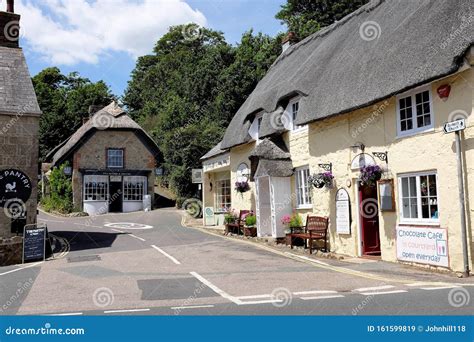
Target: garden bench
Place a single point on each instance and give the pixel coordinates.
(238, 225)
(316, 229)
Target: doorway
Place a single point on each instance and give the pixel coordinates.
(369, 220)
(115, 197)
(263, 204)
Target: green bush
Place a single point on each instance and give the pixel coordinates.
(60, 198)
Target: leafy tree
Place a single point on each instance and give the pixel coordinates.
(65, 100)
(60, 191)
(305, 17)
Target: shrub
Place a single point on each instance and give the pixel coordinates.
(60, 198)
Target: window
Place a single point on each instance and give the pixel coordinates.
(133, 188)
(115, 157)
(418, 198)
(415, 113)
(303, 190)
(293, 108)
(223, 194)
(96, 188)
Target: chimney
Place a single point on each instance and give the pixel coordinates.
(288, 40)
(9, 26)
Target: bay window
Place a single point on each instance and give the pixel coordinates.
(96, 188)
(134, 187)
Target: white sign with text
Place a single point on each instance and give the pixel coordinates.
(423, 245)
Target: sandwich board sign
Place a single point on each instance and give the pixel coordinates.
(454, 126)
(34, 243)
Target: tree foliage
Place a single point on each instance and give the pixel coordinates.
(188, 90)
(60, 192)
(64, 101)
(305, 17)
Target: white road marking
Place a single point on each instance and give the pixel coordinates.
(256, 302)
(214, 288)
(191, 307)
(166, 255)
(86, 225)
(312, 292)
(365, 289)
(126, 310)
(45, 220)
(322, 297)
(381, 292)
(256, 296)
(136, 237)
(131, 235)
(67, 314)
(128, 225)
(438, 288)
(21, 268)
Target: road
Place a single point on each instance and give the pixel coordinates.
(148, 263)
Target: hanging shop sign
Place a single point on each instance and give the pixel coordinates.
(423, 245)
(15, 188)
(243, 173)
(343, 212)
(196, 175)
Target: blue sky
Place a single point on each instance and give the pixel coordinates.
(101, 39)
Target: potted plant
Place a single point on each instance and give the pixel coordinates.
(250, 228)
(242, 186)
(369, 175)
(292, 222)
(320, 180)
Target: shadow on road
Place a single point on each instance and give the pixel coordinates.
(88, 240)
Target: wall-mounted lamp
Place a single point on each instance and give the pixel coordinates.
(326, 167)
(360, 146)
(443, 91)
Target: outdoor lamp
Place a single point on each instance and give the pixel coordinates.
(443, 91)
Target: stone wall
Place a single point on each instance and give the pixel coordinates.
(11, 250)
(19, 150)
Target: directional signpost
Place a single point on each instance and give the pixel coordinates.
(457, 126)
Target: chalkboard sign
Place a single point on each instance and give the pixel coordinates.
(34, 243)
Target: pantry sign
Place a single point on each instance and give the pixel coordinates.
(423, 245)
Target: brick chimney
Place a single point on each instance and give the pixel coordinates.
(9, 26)
(288, 40)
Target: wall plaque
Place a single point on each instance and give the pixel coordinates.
(343, 212)
(15, 190)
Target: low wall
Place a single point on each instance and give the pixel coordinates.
(11, 250)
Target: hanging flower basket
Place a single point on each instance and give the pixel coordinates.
(320, 180)
(242, 187)
(369, 175)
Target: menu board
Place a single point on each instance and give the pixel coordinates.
(34, 243)
(343, 212)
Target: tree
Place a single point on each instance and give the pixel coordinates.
(64, 101)
(186, 93)
(305, 17)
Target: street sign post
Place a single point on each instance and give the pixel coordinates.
(457, 126)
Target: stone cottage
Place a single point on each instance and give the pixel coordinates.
(19, 126)
(112, 162)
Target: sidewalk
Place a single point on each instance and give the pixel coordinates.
(368, 268)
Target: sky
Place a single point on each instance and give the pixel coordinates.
(101, 39)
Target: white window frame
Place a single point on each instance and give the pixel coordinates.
(254, 130)
(129, 191)
(115, 150)
(419, 220)
(293, 127)
(304, 187)
(412, 94)
(218, 195)
(95, 179)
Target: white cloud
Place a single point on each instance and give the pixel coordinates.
(67, 32)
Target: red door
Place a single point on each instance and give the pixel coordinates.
(369, 218)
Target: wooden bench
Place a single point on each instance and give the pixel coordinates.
(316, 229)
(237, 226)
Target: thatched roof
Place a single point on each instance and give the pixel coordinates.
(342, 67)
(17, 95)
(111, 117)
(271, 158)
(215, 151)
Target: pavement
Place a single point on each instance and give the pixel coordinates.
(151, 263)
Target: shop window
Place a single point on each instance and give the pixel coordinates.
(134, 188)
(96, 188)
(415, 112)
(303, 189)
(419, 198)
(223, 191)
(115, 158)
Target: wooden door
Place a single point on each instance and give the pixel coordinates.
(369, 218)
